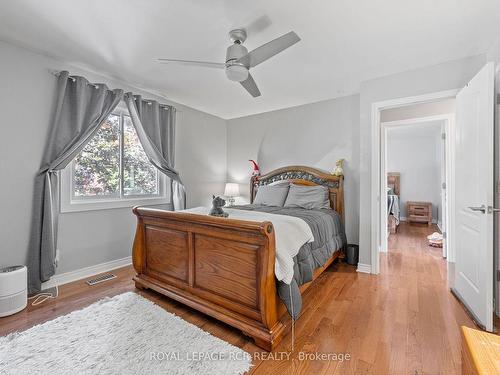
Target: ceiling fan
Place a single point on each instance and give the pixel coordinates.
(239, 60)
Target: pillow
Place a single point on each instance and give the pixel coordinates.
(309, 197)
(268, 195)
(279, 183)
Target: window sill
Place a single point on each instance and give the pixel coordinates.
(80, 206)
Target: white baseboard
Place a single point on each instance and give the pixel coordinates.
(83, 273)
(364, 268)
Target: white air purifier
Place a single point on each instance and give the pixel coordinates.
(13, 289)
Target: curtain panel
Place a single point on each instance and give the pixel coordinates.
(155, 127)
(81, 108)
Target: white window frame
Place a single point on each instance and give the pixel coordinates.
(70, 204)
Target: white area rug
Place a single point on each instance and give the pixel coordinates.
(126, 334)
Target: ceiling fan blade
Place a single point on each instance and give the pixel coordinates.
(205, 64)
(268, 50)
(250, 85)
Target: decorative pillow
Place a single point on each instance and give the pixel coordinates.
(309, 197)
(268, 195)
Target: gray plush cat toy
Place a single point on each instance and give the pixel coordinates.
(217, 204)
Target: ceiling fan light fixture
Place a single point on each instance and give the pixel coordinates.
(239, 60)
(237, 73)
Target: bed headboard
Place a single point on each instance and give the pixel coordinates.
(301, 175)
(393, 178)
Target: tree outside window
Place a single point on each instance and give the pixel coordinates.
(113, 165)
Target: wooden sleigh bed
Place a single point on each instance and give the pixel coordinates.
(224, 267)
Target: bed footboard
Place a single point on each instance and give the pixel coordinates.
(219, 266)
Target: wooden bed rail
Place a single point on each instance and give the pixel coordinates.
(219, 266)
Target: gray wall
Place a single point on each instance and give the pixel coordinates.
(313, 135)
(415, 152)
(446, 76)
(27, 92)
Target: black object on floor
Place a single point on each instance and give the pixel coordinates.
(352, 254)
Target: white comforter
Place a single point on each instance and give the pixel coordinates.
(291, 233)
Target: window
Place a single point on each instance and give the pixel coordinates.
(112, 171)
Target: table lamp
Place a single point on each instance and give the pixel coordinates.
(232, 190)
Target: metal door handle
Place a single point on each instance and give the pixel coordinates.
(493, 209)
(482, 208)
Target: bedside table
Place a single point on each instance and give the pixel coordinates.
(419, 212)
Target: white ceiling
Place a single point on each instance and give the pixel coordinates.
(344, 42)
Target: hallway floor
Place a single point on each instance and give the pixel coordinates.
(431, 314)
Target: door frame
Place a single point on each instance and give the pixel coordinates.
(377, 107)
(446, 156)
(446, 130)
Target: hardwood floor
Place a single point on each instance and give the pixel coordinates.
(404, 321)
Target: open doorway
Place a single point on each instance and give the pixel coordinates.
(469, 186)
(409, 111)
(415, 173)
(415, 170)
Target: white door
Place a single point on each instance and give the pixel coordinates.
(474, 159)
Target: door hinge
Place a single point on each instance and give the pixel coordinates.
(443, 185)
(498, 275)
(444, 235)
(443, 136)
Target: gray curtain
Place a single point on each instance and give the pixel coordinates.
(155, 126)
(81, 107)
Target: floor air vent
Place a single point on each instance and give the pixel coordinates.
(101, 279)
